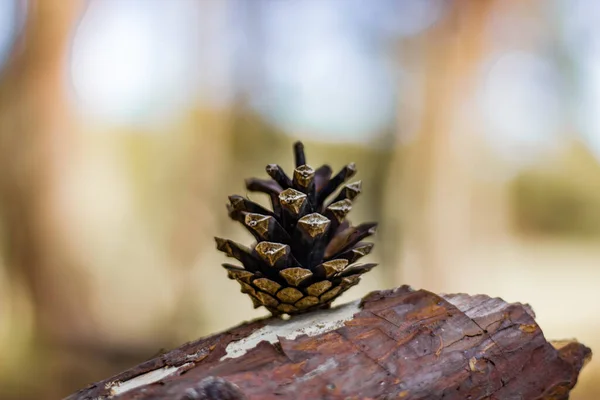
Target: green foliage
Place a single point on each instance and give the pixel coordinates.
(561, 199)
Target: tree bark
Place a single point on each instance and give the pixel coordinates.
(395, 344)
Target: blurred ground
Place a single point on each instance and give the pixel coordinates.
(124, 125)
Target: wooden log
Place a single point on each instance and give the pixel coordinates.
(394, 344)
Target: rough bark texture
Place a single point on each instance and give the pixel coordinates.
(396, 344)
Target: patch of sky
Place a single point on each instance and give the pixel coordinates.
(131, 61)
(11, 21)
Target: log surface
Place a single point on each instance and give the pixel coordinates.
(396, 344)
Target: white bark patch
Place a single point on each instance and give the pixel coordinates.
(118, 388)
(321, 369)
(311, 324)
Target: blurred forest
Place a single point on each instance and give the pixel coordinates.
(125, 124)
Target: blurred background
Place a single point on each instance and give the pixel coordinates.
(124, 125)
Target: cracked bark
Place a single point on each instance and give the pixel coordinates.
(399, 343)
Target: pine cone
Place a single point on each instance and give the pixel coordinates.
(306, 250)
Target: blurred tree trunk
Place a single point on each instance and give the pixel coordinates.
(36, 144)
(436, 167)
